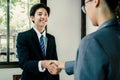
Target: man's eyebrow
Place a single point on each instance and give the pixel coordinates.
(39, 12)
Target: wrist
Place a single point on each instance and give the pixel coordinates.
(61, 65)
(43, 64)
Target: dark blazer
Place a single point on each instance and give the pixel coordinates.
(98, 56)
(29, 54)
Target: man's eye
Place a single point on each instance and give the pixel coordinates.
(46, 14)
(40, 14)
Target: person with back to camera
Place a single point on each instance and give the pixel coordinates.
(36, 47)
(98, 56)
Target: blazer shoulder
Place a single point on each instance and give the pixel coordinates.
(49, 35)
(89, 36)
(26, 33)
(97, 34)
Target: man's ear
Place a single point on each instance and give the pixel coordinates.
(32, 18)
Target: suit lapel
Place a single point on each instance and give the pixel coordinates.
(36, 42)
(48, 46)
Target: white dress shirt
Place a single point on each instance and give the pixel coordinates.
(45, 41)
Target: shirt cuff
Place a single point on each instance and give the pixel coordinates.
(40, 68)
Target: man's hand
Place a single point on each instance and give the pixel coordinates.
(61, 65)
(53, 66)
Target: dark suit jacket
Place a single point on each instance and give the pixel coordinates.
(98, 56)
(29, 54)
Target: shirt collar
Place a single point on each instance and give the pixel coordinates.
(38, 33)
(109, 22)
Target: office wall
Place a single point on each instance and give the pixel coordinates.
(64, 24)
(7, 73)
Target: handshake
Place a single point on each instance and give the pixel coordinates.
(54, 67)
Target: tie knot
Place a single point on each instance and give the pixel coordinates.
(41, 37)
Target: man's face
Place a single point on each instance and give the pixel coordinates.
(40, 18)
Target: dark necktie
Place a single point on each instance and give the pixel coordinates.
(42, 45)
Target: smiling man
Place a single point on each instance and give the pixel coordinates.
(35, 47)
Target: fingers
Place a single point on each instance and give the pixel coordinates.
(60, 65)
(55, 62)
(53, 66)
(53, 69)
(45, 63)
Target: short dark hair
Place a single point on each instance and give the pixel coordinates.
(37, 6)
(112, 4)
